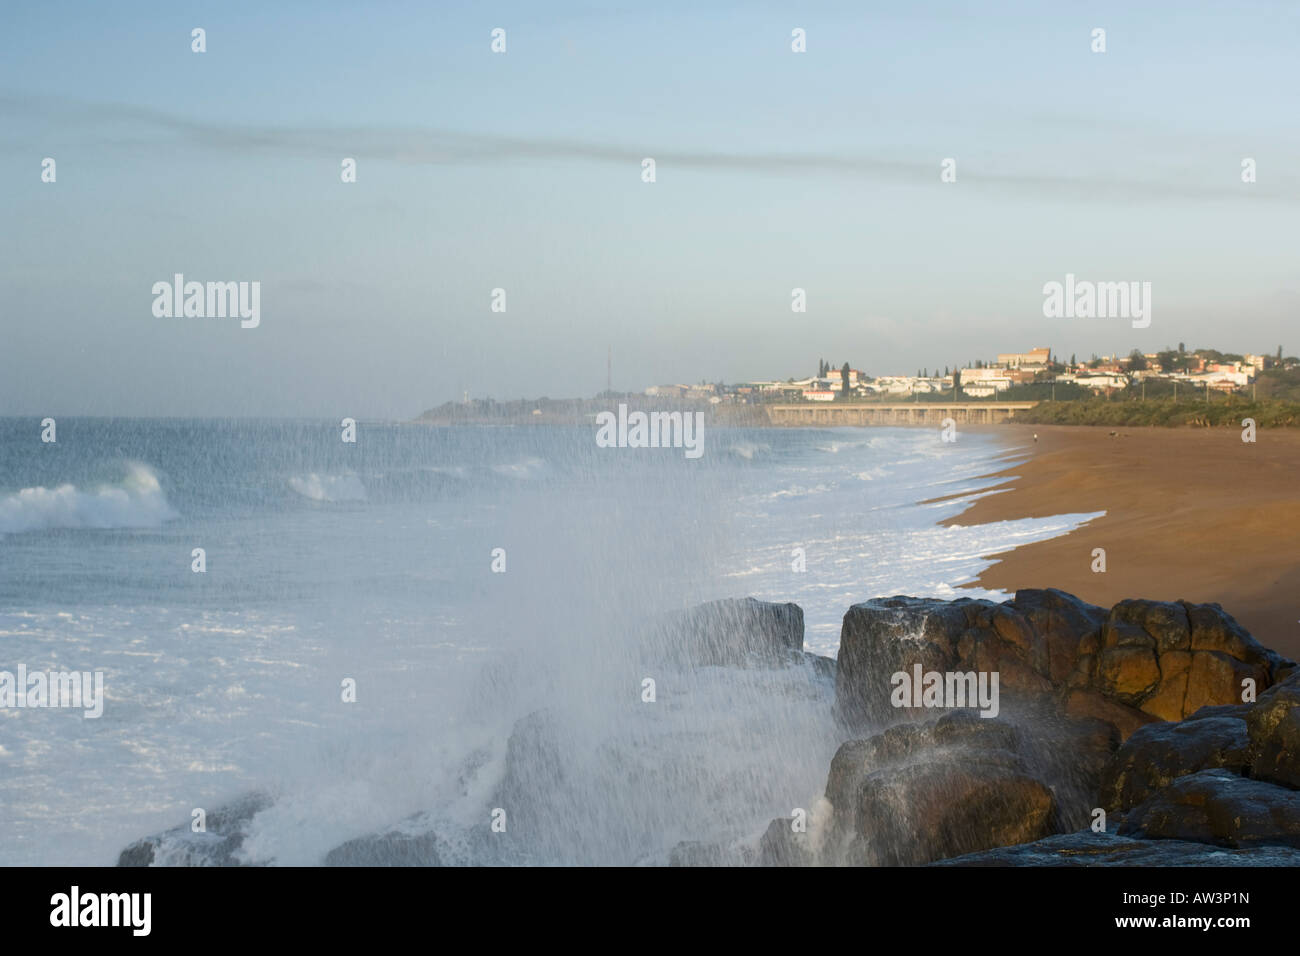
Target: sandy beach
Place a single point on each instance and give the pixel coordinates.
(1193, 514)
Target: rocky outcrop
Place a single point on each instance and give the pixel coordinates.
(217, 845)
(392, 848)
(1107, 849)
(1158, 754)
(1164, 679)
(1219, 807)
(1139, 662)
(695, 853)
(919, 792)
(738, 632)
(1227, 776)
(1273, 724)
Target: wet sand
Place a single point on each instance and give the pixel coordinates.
(1196, 514)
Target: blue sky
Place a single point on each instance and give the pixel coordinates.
(477, 170)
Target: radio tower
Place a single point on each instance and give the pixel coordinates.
(609, 369)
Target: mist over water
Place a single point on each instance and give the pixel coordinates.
(373, 561)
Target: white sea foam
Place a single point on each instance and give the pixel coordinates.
(329, 487)
(137, 501)
(528, 468)
(748, 449)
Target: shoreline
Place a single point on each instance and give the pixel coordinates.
(1190, 514)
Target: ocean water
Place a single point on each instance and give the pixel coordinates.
(372, 562)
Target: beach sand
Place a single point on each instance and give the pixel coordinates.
(1195, 514)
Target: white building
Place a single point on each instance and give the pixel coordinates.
(1101, 380)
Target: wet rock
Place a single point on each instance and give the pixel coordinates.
(226, 828)
(1274, 727)
(1087, 848)
(782, 846)
(887, 635)
(537, 772)
(917, 813)
(388, 849)
(1218, 807)
(694, 853)
(918, 792)
(1084, 704)
(1139, 662)
(736, 632)
(1157, 754)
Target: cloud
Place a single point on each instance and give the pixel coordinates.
(124, 125)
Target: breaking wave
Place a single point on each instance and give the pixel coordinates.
(137, 501)
(329, 487)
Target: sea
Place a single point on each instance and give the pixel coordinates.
(367, 621)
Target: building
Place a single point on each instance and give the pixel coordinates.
(1100, 380)
(818, 395)
(1035, 356)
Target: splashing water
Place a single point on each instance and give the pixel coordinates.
(374, 562)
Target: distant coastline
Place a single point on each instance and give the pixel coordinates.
(1220, 411)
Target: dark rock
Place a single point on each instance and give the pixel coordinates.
(1088, 705)
(533, 788)
(782, 846)
(736, 632)
(692, 853)
(1218, 807)
(1086, 848)
(225, 830)
(1222, 710)
(887, 635)
(1157, 754)
(916, 813)
(917, 792)
(392, 848)
(1274, 725)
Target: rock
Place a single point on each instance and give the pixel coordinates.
(887, 635)
(736, 632)
(392, 848)
(1221, 710)
(1216, 678)
(1274, 727)
(1138, 662)
(1157, 754)
(226, 828)
(1128, 674)
(533, 787)
(1218, 807)
(1086, 848)
(917, 813)
(1083, 704)
(781, 846)
(918, 792)
(692, 853)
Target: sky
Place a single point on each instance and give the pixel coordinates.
(522, 171)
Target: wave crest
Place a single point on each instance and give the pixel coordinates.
(137, 502)
(329, 487)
